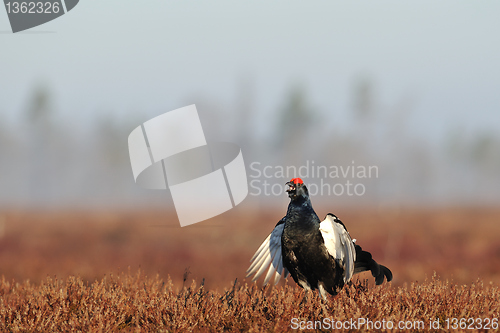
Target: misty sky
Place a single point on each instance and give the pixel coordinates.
(144, 58)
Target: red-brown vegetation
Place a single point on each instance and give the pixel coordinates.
(136, 303)
(64, 271)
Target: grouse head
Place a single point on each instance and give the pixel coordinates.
(297, 190)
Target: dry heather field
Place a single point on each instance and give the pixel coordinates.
(128, 271)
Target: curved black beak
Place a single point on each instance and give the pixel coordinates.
(291, 187)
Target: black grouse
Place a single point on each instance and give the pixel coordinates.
(317, 254)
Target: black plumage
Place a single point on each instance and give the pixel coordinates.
(317, 254)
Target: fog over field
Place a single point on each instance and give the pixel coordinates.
(406, 90)
(54, 163)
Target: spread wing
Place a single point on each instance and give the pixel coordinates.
(269, 254)
(339, 244)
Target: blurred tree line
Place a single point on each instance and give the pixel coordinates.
(45, 162)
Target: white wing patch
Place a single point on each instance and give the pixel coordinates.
(269, 254)
(339, 244)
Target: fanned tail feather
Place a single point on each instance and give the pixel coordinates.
(365, 262)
